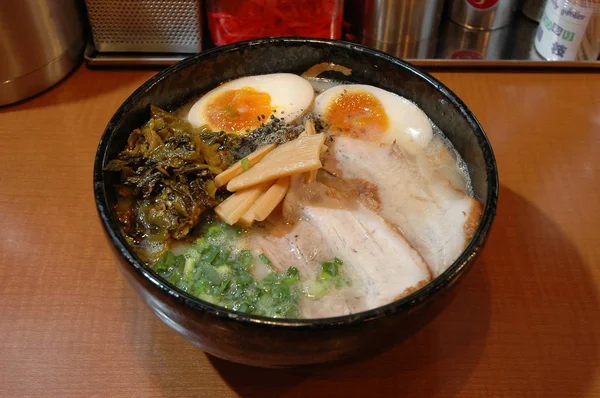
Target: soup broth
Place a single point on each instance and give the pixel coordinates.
(345, 198)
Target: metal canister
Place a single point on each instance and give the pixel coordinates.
(458, 42)
(41, 42)
(403, 28)
(482, 14)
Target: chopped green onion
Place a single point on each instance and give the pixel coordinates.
(214, 231)
(245, 163)
(165, 262)
(188, 268)
(174, 278)
(209, 254)
(314, 289)
(222, 286)
(223, 269)
(223, 256)
(209, 298)
(291, 276)
(211, 270)
(210, 273)
(270, 279)
(330, 269)
(324, 276)
(331, 275)
(245, 279)
(264, 259)
(246, 259)
(280, 291)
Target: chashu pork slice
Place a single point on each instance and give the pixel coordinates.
(379, 261)
(435, 217)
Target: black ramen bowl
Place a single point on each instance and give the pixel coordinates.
(260, 341)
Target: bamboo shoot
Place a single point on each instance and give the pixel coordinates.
(235, 206)
(309, 129)
(236, 169)
(247, 219)
(297, 156)
(269, 201)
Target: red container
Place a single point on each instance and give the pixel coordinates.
(234, 20)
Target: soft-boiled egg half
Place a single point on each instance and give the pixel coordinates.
(373, 114)
(243, 104)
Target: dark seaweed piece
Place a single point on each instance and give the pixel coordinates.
(275, 132)
(167, 171)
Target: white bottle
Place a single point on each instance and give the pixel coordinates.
(562, 28)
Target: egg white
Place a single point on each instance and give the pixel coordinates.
(291, 96)
(408, 124)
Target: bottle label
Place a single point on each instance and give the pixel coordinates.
(561, 30)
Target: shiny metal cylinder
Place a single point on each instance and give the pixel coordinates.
(482, 14)
(403, 28)
(458, 42)
(41, 42)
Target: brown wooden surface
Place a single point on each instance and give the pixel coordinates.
(526, 322)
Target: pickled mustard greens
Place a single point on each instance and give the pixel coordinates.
(167, 172)
(214, 270)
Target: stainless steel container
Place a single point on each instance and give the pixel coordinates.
(482, 14)
(458, 42)
(403, 28)
(41, 41)
(167, 26)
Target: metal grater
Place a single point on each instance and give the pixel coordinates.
(166, 26)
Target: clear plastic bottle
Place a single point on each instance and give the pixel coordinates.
(569, 30)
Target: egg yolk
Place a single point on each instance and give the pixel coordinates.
(235, 111)
(358, 114)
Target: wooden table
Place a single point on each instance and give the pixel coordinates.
(525, 323)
